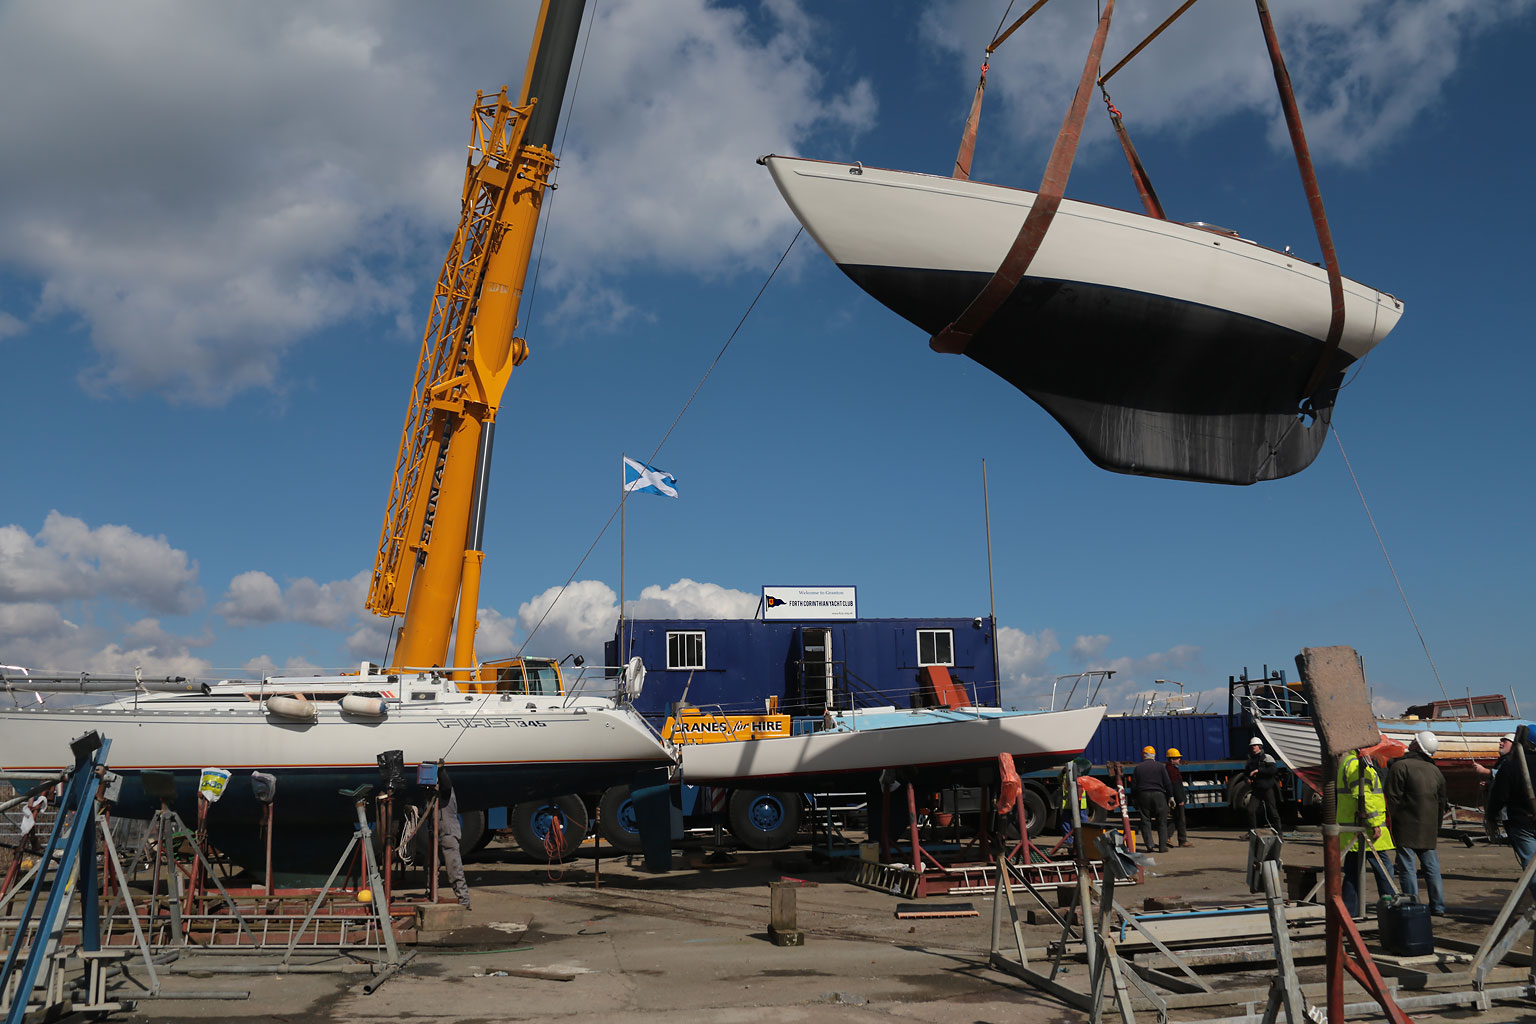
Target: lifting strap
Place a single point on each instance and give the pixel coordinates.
(1149, 200)
(968, 137)
(1314, 201)
(957, 336)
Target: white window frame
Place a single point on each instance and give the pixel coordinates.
(684, 636)
(934, 633)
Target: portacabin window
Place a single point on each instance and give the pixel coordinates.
(685, 649)
(935, 647)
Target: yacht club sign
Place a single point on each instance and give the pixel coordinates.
(810, 603)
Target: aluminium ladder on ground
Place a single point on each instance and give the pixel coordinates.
(32, 962)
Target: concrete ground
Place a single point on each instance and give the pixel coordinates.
(692, 945)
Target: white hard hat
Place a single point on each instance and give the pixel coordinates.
(1255, 742)
(1427, 741)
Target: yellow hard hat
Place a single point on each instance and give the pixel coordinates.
(1174, 752)
(1148, 751)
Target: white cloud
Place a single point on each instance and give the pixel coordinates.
(270, 170)
(1363, 72)
(70, 560)
(9, 325)
(579, 622)
(254, 598)
(684, 96)
(1089, 648)
(30, 620)
(370, 639)
(690, 599)
(1023, 660)
(264, 665)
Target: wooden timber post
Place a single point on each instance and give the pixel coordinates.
(782, 927)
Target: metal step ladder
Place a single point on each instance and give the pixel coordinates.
(965, 879)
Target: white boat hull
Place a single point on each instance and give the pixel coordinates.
(1461, 745)
(1163, 348)
(499, 752)
(874, 740)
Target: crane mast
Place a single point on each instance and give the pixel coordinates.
(429, 555)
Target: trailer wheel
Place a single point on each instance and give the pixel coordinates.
(474, 836)
(764, 820)
(532, 822)
(1238, 795)
(1036, 816)
(616, 820)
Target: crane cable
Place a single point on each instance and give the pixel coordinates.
(657, 450)
(1390, 568)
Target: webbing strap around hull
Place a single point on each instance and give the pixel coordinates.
(956, 337)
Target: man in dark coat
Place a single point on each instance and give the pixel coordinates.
(1416, 801)
(1263, 785)
(1509, 795)
(1151, 787)
(1180, 796)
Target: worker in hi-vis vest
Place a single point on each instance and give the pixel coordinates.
(1361, 802)
(1067, 819)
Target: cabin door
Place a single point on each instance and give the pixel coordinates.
(816, 670)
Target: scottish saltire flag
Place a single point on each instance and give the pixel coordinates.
(642, 479)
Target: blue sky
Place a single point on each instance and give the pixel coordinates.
(221, 225)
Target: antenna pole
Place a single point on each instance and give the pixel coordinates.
(986, 508)
(623, 506)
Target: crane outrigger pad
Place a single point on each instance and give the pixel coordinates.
(1164, 349)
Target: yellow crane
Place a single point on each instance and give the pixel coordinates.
(429, 554)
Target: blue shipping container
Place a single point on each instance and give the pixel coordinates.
(1198, 737)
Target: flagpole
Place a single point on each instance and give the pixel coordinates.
(986, 507)
(623, 506)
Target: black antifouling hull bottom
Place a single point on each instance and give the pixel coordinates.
(1143, 383)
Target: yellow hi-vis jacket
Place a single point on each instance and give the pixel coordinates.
(1063, 783)
(1349, 791)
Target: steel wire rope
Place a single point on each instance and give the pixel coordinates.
(609, 522)
(660, 444)
(1391, 569)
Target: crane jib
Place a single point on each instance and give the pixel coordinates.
(428, 557)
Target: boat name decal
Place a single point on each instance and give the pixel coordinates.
(490, 722)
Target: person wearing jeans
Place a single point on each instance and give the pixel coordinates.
(1508, 794)
(1416, 800)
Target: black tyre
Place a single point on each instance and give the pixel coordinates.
(474, 835)
(1037, 818)
(762, 820)
(532, 825)
(616, 820)
(1238, 796)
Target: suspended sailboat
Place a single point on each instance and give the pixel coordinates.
(1164, 349)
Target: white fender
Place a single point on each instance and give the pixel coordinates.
(297, 708)
(365, 706)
